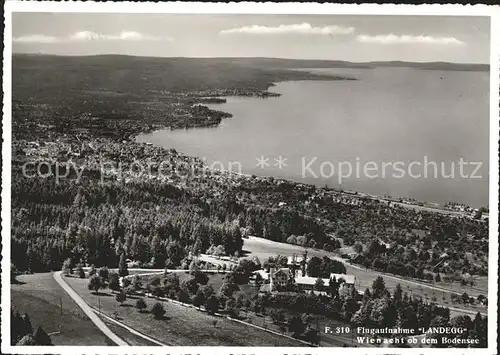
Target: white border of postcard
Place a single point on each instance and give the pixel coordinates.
(254, 8)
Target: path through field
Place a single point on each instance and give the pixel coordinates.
(87, 310)
(48, 306)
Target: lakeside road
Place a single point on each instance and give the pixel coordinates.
(87, 310)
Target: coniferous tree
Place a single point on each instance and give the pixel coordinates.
(27, 327)
(41, 337)
(398, 294)
(122, 266)
(378, 287)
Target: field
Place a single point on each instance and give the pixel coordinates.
(182, 325)
(265, 321)
(131, 339)
(40, 296)
(263, 249)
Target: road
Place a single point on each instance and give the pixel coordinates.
(264, 248)
(468, 311)
(436, 288)
(88, 310)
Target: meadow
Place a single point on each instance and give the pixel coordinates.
(41, 298)
(182, 325)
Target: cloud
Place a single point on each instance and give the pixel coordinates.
(35, 39)
(85, 36)
(407, 39)
(122, 36)
(303, 28)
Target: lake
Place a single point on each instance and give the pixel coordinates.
(402, 118)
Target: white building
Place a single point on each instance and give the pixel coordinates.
(299, 259)
(280, 278)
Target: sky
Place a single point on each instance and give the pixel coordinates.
(356, 38)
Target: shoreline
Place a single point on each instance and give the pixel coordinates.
(404, 201)
(242, 93)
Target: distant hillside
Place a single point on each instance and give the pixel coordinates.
(49, 76)
(118, 96)
(264, 63)
(432, 65)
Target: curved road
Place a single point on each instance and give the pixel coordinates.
(88, 311)
(432, 287)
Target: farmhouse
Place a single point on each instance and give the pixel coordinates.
(280, 278)
(297, 260)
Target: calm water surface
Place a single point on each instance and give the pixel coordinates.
(388, 115)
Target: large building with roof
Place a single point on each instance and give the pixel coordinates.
(280, 278)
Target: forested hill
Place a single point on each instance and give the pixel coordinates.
(129, 74)
(250, 62)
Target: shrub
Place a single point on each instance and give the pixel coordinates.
(121, 297)
(199, 299)
(104, 273)
(66, 267)
(212, 304)
(437, 278)
(277, 315)
(79, 271)
(126, 282)
(158, 311)
(114, 282)
(140, 305)
(292, 239)
(95, 283)
(92, 271)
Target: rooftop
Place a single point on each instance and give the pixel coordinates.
(298, 259)
(349, 279)
(307, 280)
